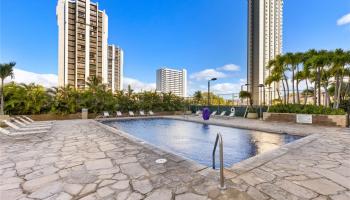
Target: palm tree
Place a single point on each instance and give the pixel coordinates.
(94, 84)
(6, 70)
(340, 60)
(198, 96)
(298, 59)
(278, 71)
(292, 60)
(306, 75)
(274, 78)
(313, 61)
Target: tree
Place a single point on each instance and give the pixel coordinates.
(340, 60)
(278, 72)
(198, 97)
(6, 70)
(312, 63)
(246, 95)
(94, 84)
(66, 100)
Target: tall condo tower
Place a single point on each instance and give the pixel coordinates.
(82, 42)
(115, 68)
(265, 20)
(171, 80)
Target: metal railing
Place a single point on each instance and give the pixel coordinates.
(222, 178)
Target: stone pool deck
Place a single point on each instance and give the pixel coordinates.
(83, 159)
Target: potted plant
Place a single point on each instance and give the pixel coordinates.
(252, 112)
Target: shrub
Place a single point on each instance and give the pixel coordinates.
(35, 99)
(305, 109)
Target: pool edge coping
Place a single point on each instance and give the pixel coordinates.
(179, 159)
(236, 169)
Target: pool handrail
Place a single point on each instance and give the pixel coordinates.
(222, 178)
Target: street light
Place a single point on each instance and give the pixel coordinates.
(213, 79)
(261, 86)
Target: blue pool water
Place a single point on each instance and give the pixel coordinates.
(196, 140)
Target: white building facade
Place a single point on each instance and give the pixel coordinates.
(171, 80)
(114, 73)
(265, 22)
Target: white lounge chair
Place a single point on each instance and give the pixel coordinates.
(19, 122)
(213, 113)
(142, 113)
(17, 128)
(119, 114)
(7, 132)
(198, 112)
(131, 113)
(231, 115)
(150, 112)
(25, 120)
(222, 114)
(24, 125)
(105, 114)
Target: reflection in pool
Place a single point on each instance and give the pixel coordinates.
(196, 140)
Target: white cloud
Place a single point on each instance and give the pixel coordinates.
(22, 76)
(229, 67)
(51, 80)
(137, 85)
(207, 74)
(344, 20)
(219, 88)
(228, 88)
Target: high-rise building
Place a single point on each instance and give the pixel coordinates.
(265, 18)
(82, 42)
(115, 68)
(171, 80)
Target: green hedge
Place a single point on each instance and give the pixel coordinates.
(305, 109)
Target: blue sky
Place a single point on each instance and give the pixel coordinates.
(199, 35)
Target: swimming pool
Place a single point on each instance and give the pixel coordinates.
(195, 140)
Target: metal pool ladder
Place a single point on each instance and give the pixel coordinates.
(222, 178)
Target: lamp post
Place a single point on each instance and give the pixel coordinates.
(213, 79)
(270, 95)
(242, 90)
(261, 86)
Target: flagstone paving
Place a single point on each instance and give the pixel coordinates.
(82, 159)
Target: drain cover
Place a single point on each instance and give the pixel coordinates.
(161, 161)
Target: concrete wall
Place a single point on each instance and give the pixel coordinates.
(323, 120)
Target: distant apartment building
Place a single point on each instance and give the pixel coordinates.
(115, 68)
(265, 21)
(82, 46)
(171, 80)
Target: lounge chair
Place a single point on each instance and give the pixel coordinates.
(142, 113)
(24, 125)
(150, 112)
(213, 114)
(19, 122)
(7, 132)
(25, 120)
(231, 115)
(222, 114)
(131, 113)
(119, 114)
(105, 114)
(17, 128)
